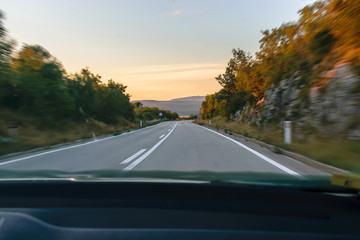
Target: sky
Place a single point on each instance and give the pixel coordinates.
(160, 49)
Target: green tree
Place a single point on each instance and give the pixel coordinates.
(238, 101)
(94, 99)
(40, 85)
(6, 48)
(321, 44)
(8, 96)
(282, 51)
(327, 32)
(113, 102)
(82, 88)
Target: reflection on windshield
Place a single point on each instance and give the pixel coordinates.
(160, 94)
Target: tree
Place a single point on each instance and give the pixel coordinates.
(327, 32)
(238, 101)
(6, 48)
(7, 93)
(33, 82)
(113, 102)
(238, 65)
(40, 85)
(282, 51)
(138, 105)
(82, 88)
(321, 44)
(94, 99)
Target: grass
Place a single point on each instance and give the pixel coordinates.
(338, 152)
(146, 124)
(341, 153)
(33, 136)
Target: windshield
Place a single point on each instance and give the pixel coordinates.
(263, 92)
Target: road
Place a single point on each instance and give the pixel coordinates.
(170, 146)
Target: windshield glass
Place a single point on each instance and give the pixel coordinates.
(264, 92)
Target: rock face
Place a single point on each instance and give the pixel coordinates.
(283, 101)
(335, 107)
(332, 107)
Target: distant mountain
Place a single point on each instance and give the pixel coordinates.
(183, 106)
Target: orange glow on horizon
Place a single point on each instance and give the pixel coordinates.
(165, 82)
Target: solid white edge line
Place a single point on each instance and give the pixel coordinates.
(129, 159)
(75, 146)
(56, 150)
(162, 136)
(267, 159)
(145, 155)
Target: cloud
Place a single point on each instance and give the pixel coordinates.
(172, 71)
(176, 69)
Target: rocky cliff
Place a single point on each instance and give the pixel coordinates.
(332, 106)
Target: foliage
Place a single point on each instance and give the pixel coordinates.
(34, 83)
(190, 117)
(239, 100)
(95, 99)
(321, 44)
(327, 32)
(152, 113)
(38, 85)
(6, 49)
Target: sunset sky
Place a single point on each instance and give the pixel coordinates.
(160, 49)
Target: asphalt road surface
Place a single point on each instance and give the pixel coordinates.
(169, 146)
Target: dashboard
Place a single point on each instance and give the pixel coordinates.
(155, 210)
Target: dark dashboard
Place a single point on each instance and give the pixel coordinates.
(154, 210)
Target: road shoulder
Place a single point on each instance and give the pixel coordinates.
(259, 146)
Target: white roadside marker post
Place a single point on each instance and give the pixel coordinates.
(94, 136)
(287, 132)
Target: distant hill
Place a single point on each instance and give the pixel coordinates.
(183, 106)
